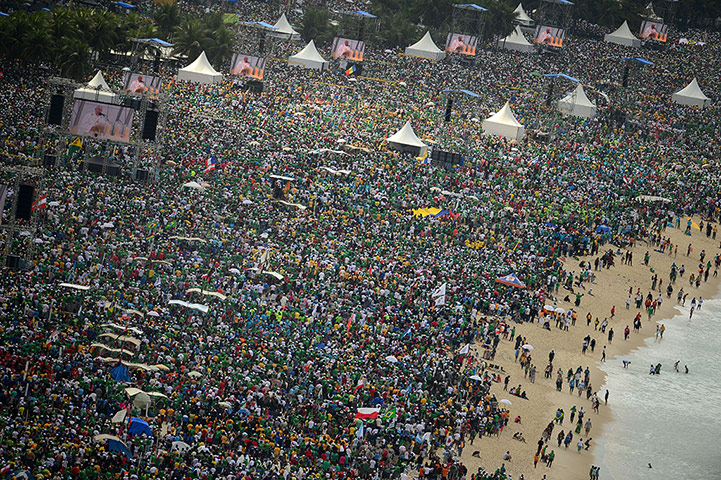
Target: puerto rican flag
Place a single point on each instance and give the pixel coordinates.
(367, 413)
(40, 203)
(210, 164)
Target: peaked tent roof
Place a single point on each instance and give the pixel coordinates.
(516, 41)
(577, 103)
(200, 71)
(96, 89)
(503, 123)
(283, 27)
(308, 57)
(691, 94)
(406, 136)
(505, 116)
(623, 36)
(426, 48)
(522, 16)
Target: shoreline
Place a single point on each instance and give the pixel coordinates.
(610, 289)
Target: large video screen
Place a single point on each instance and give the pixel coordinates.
(459, 43)
(653, 31)
(101, 120)
(248, 66)
(140, 83)
(549, 36)
(347, 48)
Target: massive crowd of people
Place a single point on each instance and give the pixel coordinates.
(297, 320)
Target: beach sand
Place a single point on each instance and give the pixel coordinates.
(610, 288)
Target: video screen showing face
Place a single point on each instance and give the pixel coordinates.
(349, 49)
(248, 66)
(101, 120)
(140, 83)
(551, 36)
(653, 31)
(458, 43)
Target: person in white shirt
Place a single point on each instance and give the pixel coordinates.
(94, 123)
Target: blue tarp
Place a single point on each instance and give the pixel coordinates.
(262, 24)
(561, 75)
(138, 426)
(157, 41)
(361, 13)
(473, 6)
(464, 91)
(3, 14)
(125, 5)
(115, 446)
(603, 229)
(640, 60)
(120, 373)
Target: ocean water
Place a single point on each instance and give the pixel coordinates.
(672, 420)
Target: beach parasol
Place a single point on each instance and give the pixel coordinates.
(549, 308)
(392, 359)
(476, 378)
(559, 310)
(527, 347)
(507, 402)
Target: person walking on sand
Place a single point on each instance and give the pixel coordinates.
(579, 445)
(605, 398)
(603, 355)
(662, 329)
(551, 456)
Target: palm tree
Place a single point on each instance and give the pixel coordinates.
(167, 18)
(315, 25)
(218, 46)
(102, 33)
(189, 38)
(72, 58)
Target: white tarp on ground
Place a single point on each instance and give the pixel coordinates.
(406, 140)
(200, 71)
(308, 58)
(426, 48)
(691, 95)
(516, 41)
(96, 90)
(503, 123)
(577, 104)
(522, 18)
(284, 29)
(623, 36)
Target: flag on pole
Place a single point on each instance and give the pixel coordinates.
(389, 414)
(465, 350)
(350, 322)
(361, 431)
(439, 295)
(365, 413)
(361, 384)
(40, 203)
(350, 71)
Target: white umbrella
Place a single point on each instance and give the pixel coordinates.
(108, 225)
(235, 271)
(247, 201)
(195, 374)
(392, 359)
(507, 402)
(54, 204)
(550, 308)
(38, 240)
(476, 378)
(560, 310)
(193, 185)
(153, 313)
(527, 347)
(224, 404)
(402, 83)
(126, 69)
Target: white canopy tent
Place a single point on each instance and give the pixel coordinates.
(200, 71)
(503, 123)
(522, 18)
(406, 140)
(691, 95)
(309, 58)
(283, 29)
(516, 41)
(96, 90)
(426, 48)
(577, 104)
(623, 36)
